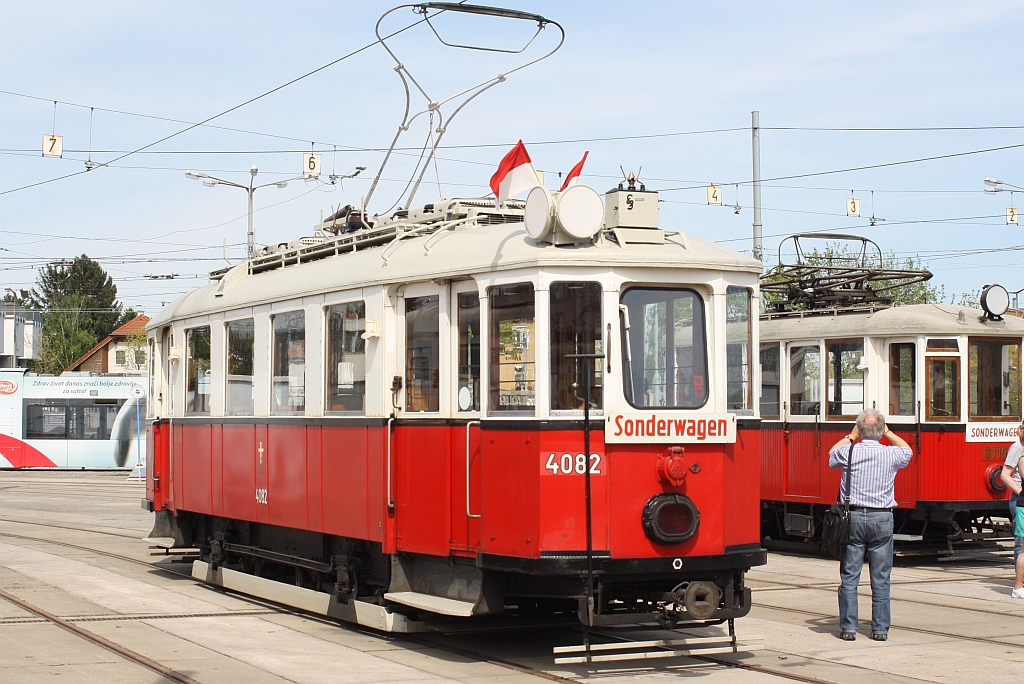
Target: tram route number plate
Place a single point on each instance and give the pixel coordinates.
(670, 427)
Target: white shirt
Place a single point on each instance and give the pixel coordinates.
(1013, 456)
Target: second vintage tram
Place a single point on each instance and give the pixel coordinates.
(947, 378)
(386, 422)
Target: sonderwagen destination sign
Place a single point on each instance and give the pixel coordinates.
(713, 428)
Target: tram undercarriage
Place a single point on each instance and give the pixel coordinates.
(930, 528)
(348, 575)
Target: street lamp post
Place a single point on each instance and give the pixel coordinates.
(211, 181)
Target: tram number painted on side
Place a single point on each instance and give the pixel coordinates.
(261, 495)
(567, 464)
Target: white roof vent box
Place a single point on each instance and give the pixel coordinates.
(633, 213)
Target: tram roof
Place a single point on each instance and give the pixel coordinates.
(458, 253)
(914, 319)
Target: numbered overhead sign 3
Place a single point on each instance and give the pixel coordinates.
(714, 194)
(852, 206)
(1011, 216)
(311, 164)
(53, 145)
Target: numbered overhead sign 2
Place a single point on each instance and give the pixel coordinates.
(714, 194)
(53, 145)
(311, 164)
(852, 206)
(1011, 216)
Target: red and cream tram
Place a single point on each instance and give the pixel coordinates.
(385, 423)
(946, 377)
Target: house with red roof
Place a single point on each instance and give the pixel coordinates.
(114, 354)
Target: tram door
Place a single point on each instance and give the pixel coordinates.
(467, 440)
(803, 446)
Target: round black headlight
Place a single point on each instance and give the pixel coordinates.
(670, 519)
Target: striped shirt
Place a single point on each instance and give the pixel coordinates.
(873, 473)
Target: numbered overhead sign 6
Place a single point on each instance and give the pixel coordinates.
(53, 145)
(311, 164)
(1011, 216)
(714, 194)
(852, 206)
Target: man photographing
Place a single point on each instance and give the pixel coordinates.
(873, 469)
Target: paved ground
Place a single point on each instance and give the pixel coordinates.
(952, 622)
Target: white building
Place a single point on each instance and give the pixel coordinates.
(21, 335)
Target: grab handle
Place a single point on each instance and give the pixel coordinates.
(391, 499)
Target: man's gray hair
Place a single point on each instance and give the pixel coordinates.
(871, 424)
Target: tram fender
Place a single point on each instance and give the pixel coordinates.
(456, 581)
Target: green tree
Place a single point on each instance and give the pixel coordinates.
(84, 278)
(66, 334)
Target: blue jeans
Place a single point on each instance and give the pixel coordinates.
(871, 535)
(1017, 541)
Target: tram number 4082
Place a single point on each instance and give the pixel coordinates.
(568, 464)
(261, 495)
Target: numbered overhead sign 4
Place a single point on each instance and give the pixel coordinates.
(852, 206)
(714, 194)
(1011, 216)
(53, 145)
(311, 164)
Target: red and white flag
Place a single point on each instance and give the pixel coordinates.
(514, 175)
(570, 180)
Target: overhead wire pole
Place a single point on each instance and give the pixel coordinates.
(755, 131)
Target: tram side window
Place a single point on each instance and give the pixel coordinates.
(469, 351)
(737, 349)
(943, 389)
(346, 357)
(422, 354)
(845, 378)
(289, 363)
(513, 354)
(241, 349)
(664, 342)
(902, 379)
(994, 378)
(575, 329)
(197, 382)
(75, 419)
(770, 380)
(805, 380)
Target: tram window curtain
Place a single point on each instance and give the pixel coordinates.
(738, 335)
(902, 379)
(845, 376)
(197, 369)
(805, 380)
(770, 380)
(994, 378)
(665, 344)
(241, 349)
(513, 348)
(289, 395)
(469, 351)
(346, 357)
(575, 329)
(422, 354)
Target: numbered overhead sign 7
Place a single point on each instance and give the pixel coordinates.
(311, 164)
(714, 194)
(1011, 216)
(53, 145)
(852, 206)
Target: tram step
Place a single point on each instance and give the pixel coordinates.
(656, 649)
(434, 604)
(907, 537)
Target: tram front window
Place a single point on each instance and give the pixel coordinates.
(289, 363)
(575, 329)
(805, 380)
(737, 350)
(241, 348)
(994, 378)
(770, 380)
(197, 382)
(902, 379)
(422, 354)
(943, 389)
(513, 348)
(664, 342)
(845, 378)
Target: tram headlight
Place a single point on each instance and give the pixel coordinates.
(670, 519)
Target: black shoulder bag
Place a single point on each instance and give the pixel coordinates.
(836, 521)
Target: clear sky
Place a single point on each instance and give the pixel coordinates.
(626, 69)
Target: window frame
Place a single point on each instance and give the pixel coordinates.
(928, 389)
(598, 364)
(457, 290)
(273, 366)
(916, 365)
(788, 394)
(405, 357)
(826, 399)
(970, 377)
(327, 358)
(700, 298)
(493, 405)
(188, 359)
(748, 403)
(760, 386)
(227, 366)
